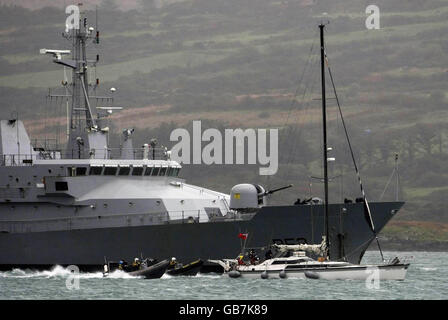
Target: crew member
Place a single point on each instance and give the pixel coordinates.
(136, 264)
(173, 263)
(122, 264)
(253, 257)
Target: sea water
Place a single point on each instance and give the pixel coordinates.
(425, 279)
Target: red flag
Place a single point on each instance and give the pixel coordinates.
(243, 236)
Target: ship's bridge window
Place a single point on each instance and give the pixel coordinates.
(95, 170)
(71, 172)
(155, 171)
(81, 171)
(124, 171)
(137, 171)
(110, 171)
(76, 171)
(173, 172)
(148, 171)
(163, 171)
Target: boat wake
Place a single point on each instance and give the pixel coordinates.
(199, 275)
(428, 269)
(61, 272)
(208, 275)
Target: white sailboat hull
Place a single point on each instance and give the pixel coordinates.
(352, 272)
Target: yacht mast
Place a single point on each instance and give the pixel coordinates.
(324, 122)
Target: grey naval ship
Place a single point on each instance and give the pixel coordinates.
(79, 205)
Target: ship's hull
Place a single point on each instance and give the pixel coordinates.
(87, 248)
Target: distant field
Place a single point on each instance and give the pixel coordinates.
(412, 193)
(111, 72)
(288, 37)
(21, 58)
(385, 13)
(153, 116)
(416, 230)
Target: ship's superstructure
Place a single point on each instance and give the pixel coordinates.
(89, 185)
(77, 205)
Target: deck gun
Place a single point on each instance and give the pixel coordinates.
(276, 190)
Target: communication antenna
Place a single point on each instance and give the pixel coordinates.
(67, 102)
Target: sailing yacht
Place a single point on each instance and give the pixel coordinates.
(296, 264)
(291, 261)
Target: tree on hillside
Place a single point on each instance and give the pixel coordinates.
(385, 146)
(425, 135)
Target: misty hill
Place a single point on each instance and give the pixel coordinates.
(255, 64)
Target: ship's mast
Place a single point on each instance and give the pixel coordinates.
(87, 138)
(81, 114)
(325, 149)
(82, 121)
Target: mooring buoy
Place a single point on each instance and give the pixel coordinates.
(234, 274)
(311, 275)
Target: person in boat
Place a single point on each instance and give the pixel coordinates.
(122, 265)
(253, 257)
(173, 263)
(240, 260)
(136, 264)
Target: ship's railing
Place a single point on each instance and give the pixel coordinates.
(138, 153)
(45, 144)
(106, 153)
(26, 159)
(115, 220)
(118, 153)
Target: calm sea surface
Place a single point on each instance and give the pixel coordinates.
(426, 279)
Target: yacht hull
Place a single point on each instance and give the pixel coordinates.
(358, 272)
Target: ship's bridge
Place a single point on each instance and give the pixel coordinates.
(115, 167)
(16, 149)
